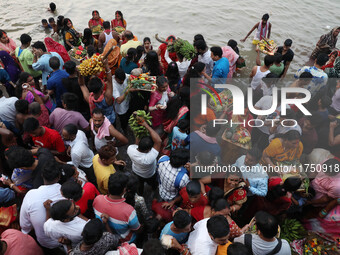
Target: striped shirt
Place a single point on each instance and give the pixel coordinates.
(122, 217)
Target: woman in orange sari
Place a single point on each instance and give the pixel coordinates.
(114, 56)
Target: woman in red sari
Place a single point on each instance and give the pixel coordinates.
(95, 22)
(161, 52)
(119, 20)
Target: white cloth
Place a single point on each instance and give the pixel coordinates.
(98, 143)
(81, 154)
(261, 247)
(33, 212)
(118, 253)
(108, 37)
(7, 109)
(207, 60)
(182, 66)
(258, 32)
(257, 79)
(143, 164)
(71, 230)
(118, 90)
(199, 242)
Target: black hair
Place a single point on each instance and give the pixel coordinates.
(153, 247)
(140, 51)
(145, 144)
(332, 164)
(200, 45)
(91, 50)
(179, 157)
(95, 85)
(18, 157)
(44, 21)
(210, 130)
(265, 16)
(53, 7)
(292, 135)
(233, 44)
(106, 24)
(206, 158)
(120, 74)
(161, 80)
(87, 37)
(214, 195)
(2, 32)
(59, 210)
(198, 37)
(51, 171)
(23, 77)
(95, 11)
(306, 75)
(131, 190)
(31, 124)
(54, 63)
(34, 108)
(120, 14)
(177, 102)
(255, 152)
(25, 39)
(326, 101)
(128, 35)
(70, 100)
(181, 219)
(152, 63)
(173, 76)
(39, 45)
(60, 24)
(220, 204)
(51, 20)
(199, 66)
(216, 51)
(66, 20)
(278, 57)
(1, 93)
(131, 55)
(270, 79)
(183, 124)
(193, 188)
(21, 106)
(322, 59)
(267, 224)
(70, 67)
(117, 183)
(218, 226)
(288, 42)
(98, 111)
(107, 151)
(146, 39)
(238, 249)
(66, 172)
(292, 183)
(72, 190)
(315, 119)
(71, 129)
(269, 60)
(93, 231)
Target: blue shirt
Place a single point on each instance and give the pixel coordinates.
(43, 65)
(127, 68)
(221, 68)
(55, 83)
(6, 195)
(178, 138)
(197, 144)
(181, 238)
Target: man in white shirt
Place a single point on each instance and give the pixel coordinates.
(208, 234)
(204, 56)
(33, 213)
(182, 63)
(79, 150)
(144, 155)
(265, 241)
(121, 95)
(7, 108)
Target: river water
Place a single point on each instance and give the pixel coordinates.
(302, 21)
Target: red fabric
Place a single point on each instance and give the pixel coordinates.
(166, 214)
(44, 119)
(172, 55)
(198, 213)
(53, 46)
(90, 192)
(51, 140)
(186, 204)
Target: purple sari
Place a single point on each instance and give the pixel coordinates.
(12, 69)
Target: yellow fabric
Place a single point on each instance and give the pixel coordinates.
(68, 36)
(102, 174)
(222, 249)
(126, 46)
(255, 42)
(277, 153)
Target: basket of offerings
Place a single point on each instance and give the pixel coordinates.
(252, 228)
(78, 54)
(119, 29)
(226, 99)
(96, 30)
(92, 66)
(143, 82)
(267, 46)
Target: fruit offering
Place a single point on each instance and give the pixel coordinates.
(96, 30)
(183, 47)
(292, 229)
(317, 246)
(135, 121)
(238, 135)
(91, 66)
(267, 46)
(143, 82)
(78, 53)
(119, 29)
(226, 98)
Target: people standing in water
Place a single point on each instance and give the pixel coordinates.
(326, 43)
(263, 30)
(119, 20)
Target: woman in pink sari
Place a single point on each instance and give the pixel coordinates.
(231, 55)
(6, 43)
(327, 188)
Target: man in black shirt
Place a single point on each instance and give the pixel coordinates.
(287, 55)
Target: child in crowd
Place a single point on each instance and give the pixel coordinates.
(53, 25)
(45, 24)
(179, 134)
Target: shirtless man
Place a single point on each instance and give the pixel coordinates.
(106, 36)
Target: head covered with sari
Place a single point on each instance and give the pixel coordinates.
(114, 57)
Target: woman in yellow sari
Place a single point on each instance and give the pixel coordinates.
(286, 150)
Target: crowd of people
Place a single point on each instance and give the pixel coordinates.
(75, 180)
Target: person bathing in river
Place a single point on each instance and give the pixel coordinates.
(263, 30)
(326, 43)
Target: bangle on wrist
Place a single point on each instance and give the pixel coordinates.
(323, 212)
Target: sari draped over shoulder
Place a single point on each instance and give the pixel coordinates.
(114, 57)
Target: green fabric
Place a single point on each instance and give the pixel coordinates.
(26, 60)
